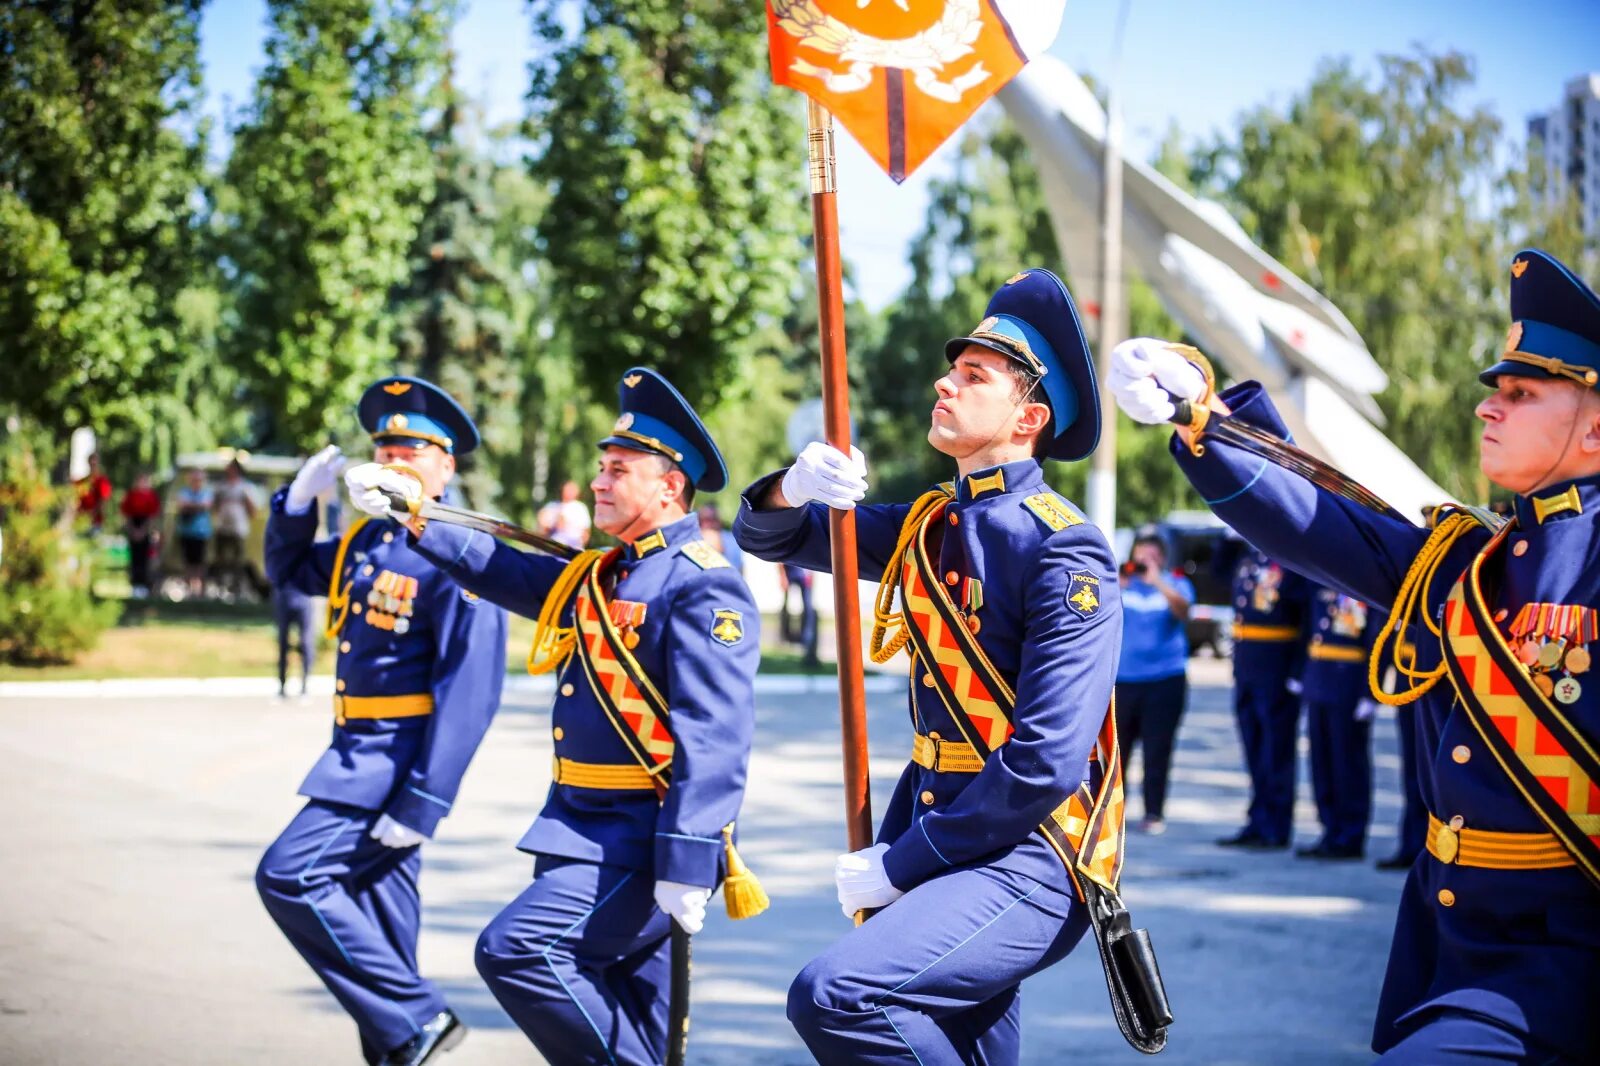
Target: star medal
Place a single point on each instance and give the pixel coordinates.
(1567, 690)
(402, 624)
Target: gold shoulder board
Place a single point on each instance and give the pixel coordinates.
(1052, 510)
(704, 555)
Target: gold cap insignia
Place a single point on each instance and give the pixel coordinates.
(632, 379)
(623, 423)
(398, 421)
(1013, 279)
(987, 324)
(1514, 337)
(397, 388)
(1519, 268)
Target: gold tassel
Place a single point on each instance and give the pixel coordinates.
(741, 891)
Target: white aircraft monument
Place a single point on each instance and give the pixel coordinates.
(1246, 310)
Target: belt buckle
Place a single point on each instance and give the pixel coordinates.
(1447, 843)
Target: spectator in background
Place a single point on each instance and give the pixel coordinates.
(194, 528)
(713, 533)
(293, 609)
(234, 506)
(141, 510)
(1152, 685)
(94, 492)
(798, 577)
(566, 520)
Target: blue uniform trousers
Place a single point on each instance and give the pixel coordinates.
(1341, 772)
(581, 961)
(1449, 1037)
(350, 906)
(1269, 720)
(933, 979)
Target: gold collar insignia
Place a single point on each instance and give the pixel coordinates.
(1567, 501)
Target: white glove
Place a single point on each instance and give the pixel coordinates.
(391, 834)
(1143, 370)
(1295, 686)
(686, 904)
(862, 882)
(319, 475)
(823, 474)
(1366, 709)
(366, 484)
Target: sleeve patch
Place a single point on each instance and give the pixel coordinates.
(1083, 592)
(1052, 510)
(704, 555)
(727, 626)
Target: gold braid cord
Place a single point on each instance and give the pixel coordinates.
(339, 598)
(1412, 602)
(553, 642)
(889, 634)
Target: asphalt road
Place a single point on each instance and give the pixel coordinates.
(130, 931)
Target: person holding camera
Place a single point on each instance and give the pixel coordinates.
(1151, 681)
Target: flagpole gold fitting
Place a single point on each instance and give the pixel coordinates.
(820, 149)
(414, 506)
(1194, 414)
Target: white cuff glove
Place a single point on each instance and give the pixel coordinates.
(686, 904)
(1143, 371)
(391, 834)
(366, 484)
(862, 882)
(823, 474)
(320, 474)
(1366, 709)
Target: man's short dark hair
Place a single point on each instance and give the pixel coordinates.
(667, 466)
(1153, 539)
(1025, 388)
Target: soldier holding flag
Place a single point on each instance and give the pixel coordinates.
(1491, 626)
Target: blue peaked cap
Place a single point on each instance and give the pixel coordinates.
(1032, 321)
(654, 417)
(1555, 323)
(405, 410)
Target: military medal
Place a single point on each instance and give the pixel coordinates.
(971, 602)
(1549, 640)
(628, 616)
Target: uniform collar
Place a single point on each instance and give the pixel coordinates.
(1024, 475)
(1558, 503)
(658, 540)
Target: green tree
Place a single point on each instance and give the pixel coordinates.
(673, 231)
(101, 161)
(453, 316)
(1380, 191)
(325, 189)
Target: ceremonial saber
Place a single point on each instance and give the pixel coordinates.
(434, 511)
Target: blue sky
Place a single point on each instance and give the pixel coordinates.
(1196, 64)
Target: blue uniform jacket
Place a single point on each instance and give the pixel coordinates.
(706, 678)
(1060, 661)
(1521, 946)
(1340, 626)
(1265, 593)
(453, 649)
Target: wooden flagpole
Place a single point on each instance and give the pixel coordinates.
(841, 524)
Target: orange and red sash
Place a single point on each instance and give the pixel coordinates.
(1086, 830)
(1547, 758)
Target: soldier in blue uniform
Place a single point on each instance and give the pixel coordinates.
(657, 644)
(1339, 715)
(1015, 596)
(1496, 953)
(419, 671)
(1269, 603)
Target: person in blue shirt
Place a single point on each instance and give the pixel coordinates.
(418, 678)
(1492, 625)
(1152, 682)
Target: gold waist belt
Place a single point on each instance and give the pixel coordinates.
(1495, 851)
(1337, 653)
(346, 707)
(618, 778)
(1265, 634)
(945, 756)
